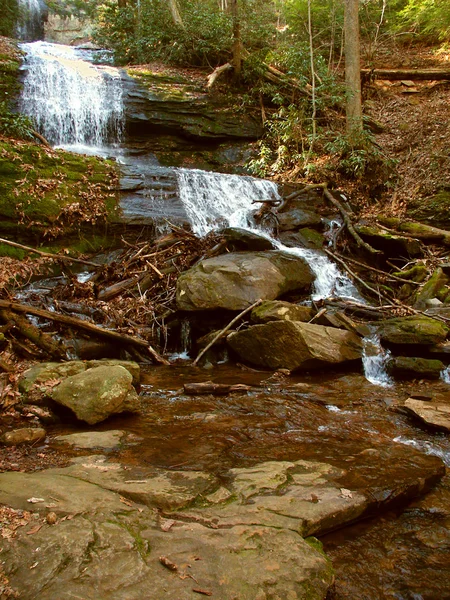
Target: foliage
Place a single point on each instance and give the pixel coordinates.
(428, 18)
(14, 124)
(145, 31)
(10, 15)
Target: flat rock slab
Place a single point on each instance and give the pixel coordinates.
(435, 414)
(91, 440)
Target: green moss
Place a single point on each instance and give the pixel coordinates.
(435, 209)
(417, 273)
(51, 193)
(9, 71)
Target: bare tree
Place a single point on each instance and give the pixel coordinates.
(175, 11)
(237, 50)
(352, 68)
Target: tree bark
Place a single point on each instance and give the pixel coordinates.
(352, 69)
(398, 74)
(237, 54)
(175, 11)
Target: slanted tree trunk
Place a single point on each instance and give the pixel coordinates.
(175, 11)
(352, 68)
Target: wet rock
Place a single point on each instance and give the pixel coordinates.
(413, 330)
(409, 367)
(97, 393)
(277, 310)
(238, 239)
(294, 345)
(431, 288)
(235, 281)
(26, 435)
(390, 244)
(305, 238)
(298, 218)
(435, 414)
(105, 440)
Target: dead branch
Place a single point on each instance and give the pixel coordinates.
(49, 254)
(359, 241)
(216, 389)
(124, 339)
(223, 331)
(217, 73)
(40, 137)
(388, 275)
(399, 74)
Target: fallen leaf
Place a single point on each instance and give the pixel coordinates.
(35, 500)
(346, 493)
(204, 592)
(125, 501)
(166, 524)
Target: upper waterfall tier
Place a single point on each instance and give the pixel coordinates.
(72, 101)
(32, 15)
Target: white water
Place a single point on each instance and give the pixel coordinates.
(31, 19)
(215, 200)
(72, 101)
(445, 375)
(374, 361)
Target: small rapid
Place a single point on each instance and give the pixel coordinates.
(72, 101)
(215, 200)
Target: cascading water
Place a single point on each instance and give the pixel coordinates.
(374, 361)
(445, 375)
(72, 101)
(31, 19)
(214, 200)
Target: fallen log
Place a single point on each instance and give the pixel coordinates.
(125, 340)
(62, 257)
(399, 74)
(48, 344)
(216, 389)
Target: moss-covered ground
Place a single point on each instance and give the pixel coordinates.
(50, 194)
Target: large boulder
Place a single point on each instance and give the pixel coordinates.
(413, 330)
(97, 393)
(235, 281)
(410, 367)
(294, 345)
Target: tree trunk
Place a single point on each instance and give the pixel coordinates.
(237, 55)
(175, 11)
(352, 68)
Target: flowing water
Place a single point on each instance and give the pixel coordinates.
(31, 21)
(72, 101)
(333, 417)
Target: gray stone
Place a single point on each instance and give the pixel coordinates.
(235, 281)
(130, 365)
(294, 345)
(97, 393)
(297, 218)
(41, 373)
(238, 239)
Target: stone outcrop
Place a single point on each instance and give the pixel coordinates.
(293, 345)
(97, 393)
(419, 330)
(25, 435)
(408, 367)
(235, 281)
(173, 104)
(434, 414)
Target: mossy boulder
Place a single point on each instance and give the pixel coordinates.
(418, 329)
(97, 393)
(434, 209)
(409, 367)
(389, 243)
(435, 286)
(235, 281)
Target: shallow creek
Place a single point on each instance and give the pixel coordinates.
(339, 418)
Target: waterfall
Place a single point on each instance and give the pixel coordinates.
(30, 26)
(72, 101)
(374, 361)
(445, 375)
(215, 200)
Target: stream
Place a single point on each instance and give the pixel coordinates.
(329, 416)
